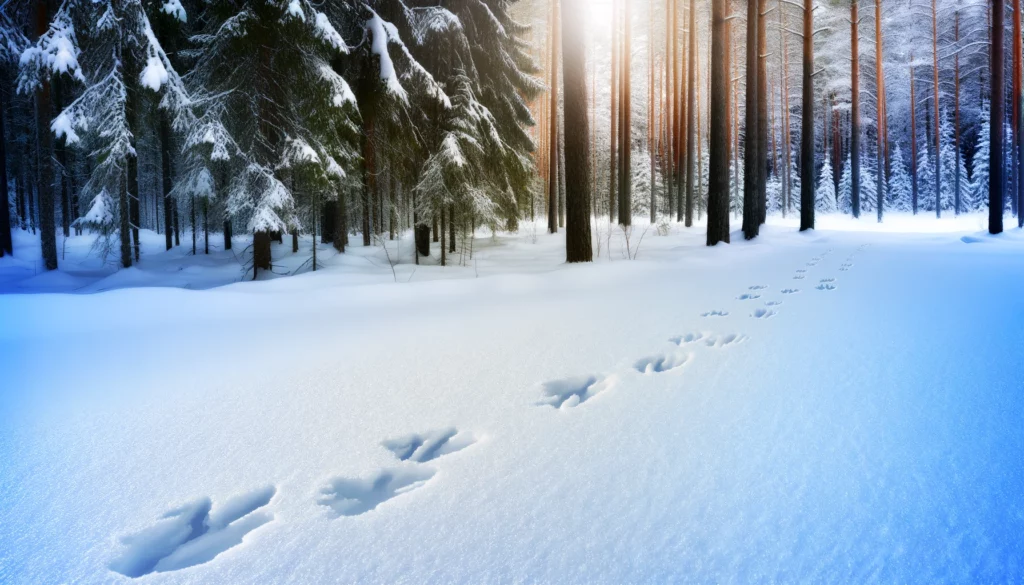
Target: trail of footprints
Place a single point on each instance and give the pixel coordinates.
(198, 532)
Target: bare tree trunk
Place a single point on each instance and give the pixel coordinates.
(1017, 118)
(652, 125)
(854, 109)
(881, 108)
(938, 121)
(762, 114)
(913, 139)
(671, 89)
(44, 184)
(956, 107)
(807, 133)
(718, 182)
(614, 143)
(691, 106)
(577, 130)
(787, 182)
(553, 169)
(751, 156)
(625, 134)
(6, 239)
(997, 179)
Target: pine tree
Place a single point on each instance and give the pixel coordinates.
(900, 189)
(292, 112)
(844, 196)
(978, 199)
(825, 197)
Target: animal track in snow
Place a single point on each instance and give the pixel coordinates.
(352, 497)
(772, 303)
(192, 535)
(758, 287)
(721, 341)
(747, 297)
(801, 270)
(812, 264)
(687, 338)
(428, 446)
(798, 277)
(661, 363)
(571, 392)
(715, 313)
(826, 286)
(790, 291)
(763, 314)
(827, 280)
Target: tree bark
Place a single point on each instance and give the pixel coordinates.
(718, 183)
(751, 156)
(614, 142)
(938, 122)
(1018, 119)
(762, 113)
(881, 111)
(691, 105)
(165, 158)
(553, 179)
(625, 134)
(44, 169)
(807, 128)
(997, 179)
(913, 140)
(6, 239)
(577, 136)
(956, 108)
(854, 109)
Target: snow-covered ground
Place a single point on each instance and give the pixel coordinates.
(837, 406)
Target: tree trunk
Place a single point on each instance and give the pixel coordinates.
(626, 125)
(227, 234)
(369, 179)
(854, 109)
(6, 240)
(671, 90)
(60, 173)
(260, 252)
(206, 226)
(553, 137)
(691, 106)
(997, 179)
(751, 156)
(718, 183)
(787, 182)
(1018, 119)
(762, 113)
(913, 139)
(679, 131)
(956, 108)
(192, 217)
(577, 139)
(881, 110)
(44, 170)
(807, 132)
(938, 122)
(165, 158)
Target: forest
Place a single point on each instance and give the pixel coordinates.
(511, 291)
(357, 121)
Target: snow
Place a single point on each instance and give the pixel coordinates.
(517, 419)
(326, 31)
(63, 126)
(175, 9)
(154, 75)
(379, 34)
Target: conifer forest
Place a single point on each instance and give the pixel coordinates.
(489, 291)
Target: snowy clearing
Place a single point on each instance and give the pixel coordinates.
(857, 417)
